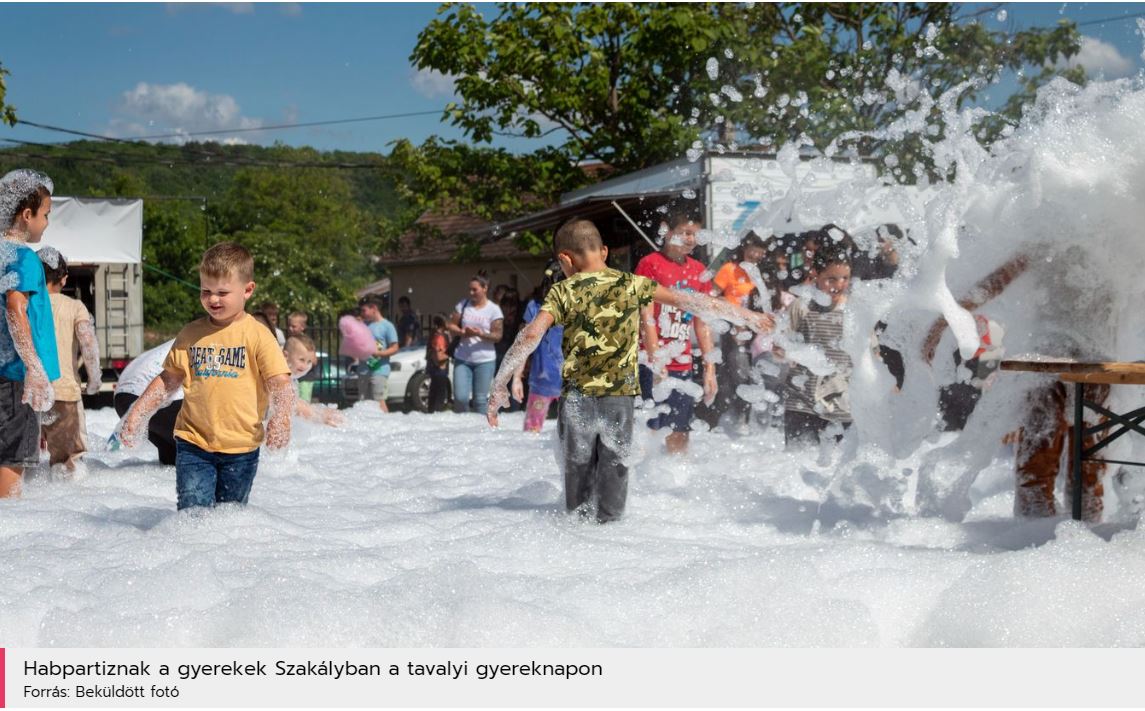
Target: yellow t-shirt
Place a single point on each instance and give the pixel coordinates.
(66, 313)
(224, 371)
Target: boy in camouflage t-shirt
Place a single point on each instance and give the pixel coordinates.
(599, 308)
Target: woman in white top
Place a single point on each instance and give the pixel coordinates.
(476, 323)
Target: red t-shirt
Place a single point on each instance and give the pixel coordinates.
(672, 324)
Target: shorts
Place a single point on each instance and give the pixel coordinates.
(19, 427)
(374, 386)
(66, 437)
(681, 406)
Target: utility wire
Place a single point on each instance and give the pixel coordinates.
(276, 127)
(1119, 18)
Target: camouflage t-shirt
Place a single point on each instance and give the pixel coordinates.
(600, 312)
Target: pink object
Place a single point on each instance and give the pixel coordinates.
(357, 341)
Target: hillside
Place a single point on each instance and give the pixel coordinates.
(312, 218)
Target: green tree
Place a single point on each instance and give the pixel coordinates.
(632, 85)
(309, 238)
(7, 111)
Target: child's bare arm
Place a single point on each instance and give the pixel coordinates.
(135, 422)
(988, 288)
(649, 333)
(707, 307)
(320, 414)
(704, 336)
(89, 350)
(281, 406)
(527, 341)
(37, 389)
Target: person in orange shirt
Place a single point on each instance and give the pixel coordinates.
(737, 285)
(231, 369)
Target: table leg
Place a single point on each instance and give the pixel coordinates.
(1078, 446)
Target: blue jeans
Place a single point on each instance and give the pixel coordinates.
(205, 478)
(472, 380)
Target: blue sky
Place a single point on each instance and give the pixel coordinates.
(143, 69)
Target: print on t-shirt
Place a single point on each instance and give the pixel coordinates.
(216, 361)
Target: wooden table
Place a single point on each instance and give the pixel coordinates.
(1090, 373)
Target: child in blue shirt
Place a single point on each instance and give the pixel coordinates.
(28, 361)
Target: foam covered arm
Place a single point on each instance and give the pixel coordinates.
(281, 392)
(134, 423)
(37, 389)
(526, 342)
(707, 307)
(89, 351)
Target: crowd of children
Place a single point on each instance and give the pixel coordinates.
(593, 342)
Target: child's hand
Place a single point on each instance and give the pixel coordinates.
(518, 389)
(277, 434)
(762, 323)
(38, 391)
(128, 432)
(710, 387)
(93, 386)
(497, 399)
(331, 417)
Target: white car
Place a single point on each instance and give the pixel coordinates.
(409, 383)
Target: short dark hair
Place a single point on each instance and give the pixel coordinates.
(56, 274)
(828, 256)
(680, 214)
(578, 236)
(403, 300)
(32, 201)
(370, 301)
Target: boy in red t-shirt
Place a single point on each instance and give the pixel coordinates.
(667, 330)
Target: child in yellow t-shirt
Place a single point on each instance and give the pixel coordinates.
(231, 369)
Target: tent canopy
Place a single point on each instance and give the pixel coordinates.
(96, 230)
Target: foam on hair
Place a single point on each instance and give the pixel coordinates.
(227, 259)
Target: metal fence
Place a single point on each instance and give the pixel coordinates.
(333, 379)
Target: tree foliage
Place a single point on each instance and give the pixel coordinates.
(311, 243)
(312, 218)
(633, 85)
(7, 111)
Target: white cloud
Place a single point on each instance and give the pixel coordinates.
(431, 83)
(290, 9)
(150, 109)
(1100, 59)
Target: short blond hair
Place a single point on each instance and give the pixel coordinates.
(304, 344)
(227, 259)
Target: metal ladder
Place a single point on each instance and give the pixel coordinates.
(116, 310)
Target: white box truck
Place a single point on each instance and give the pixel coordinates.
(102, 241)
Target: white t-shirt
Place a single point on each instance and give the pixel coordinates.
(473, 349)
(146, 367)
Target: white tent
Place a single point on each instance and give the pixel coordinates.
(96, 230)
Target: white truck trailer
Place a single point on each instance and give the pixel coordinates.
(102, 241)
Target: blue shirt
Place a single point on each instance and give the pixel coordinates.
(22, 271)
(545, 372)
(386, 335)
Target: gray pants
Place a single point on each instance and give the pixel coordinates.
(595, 436)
